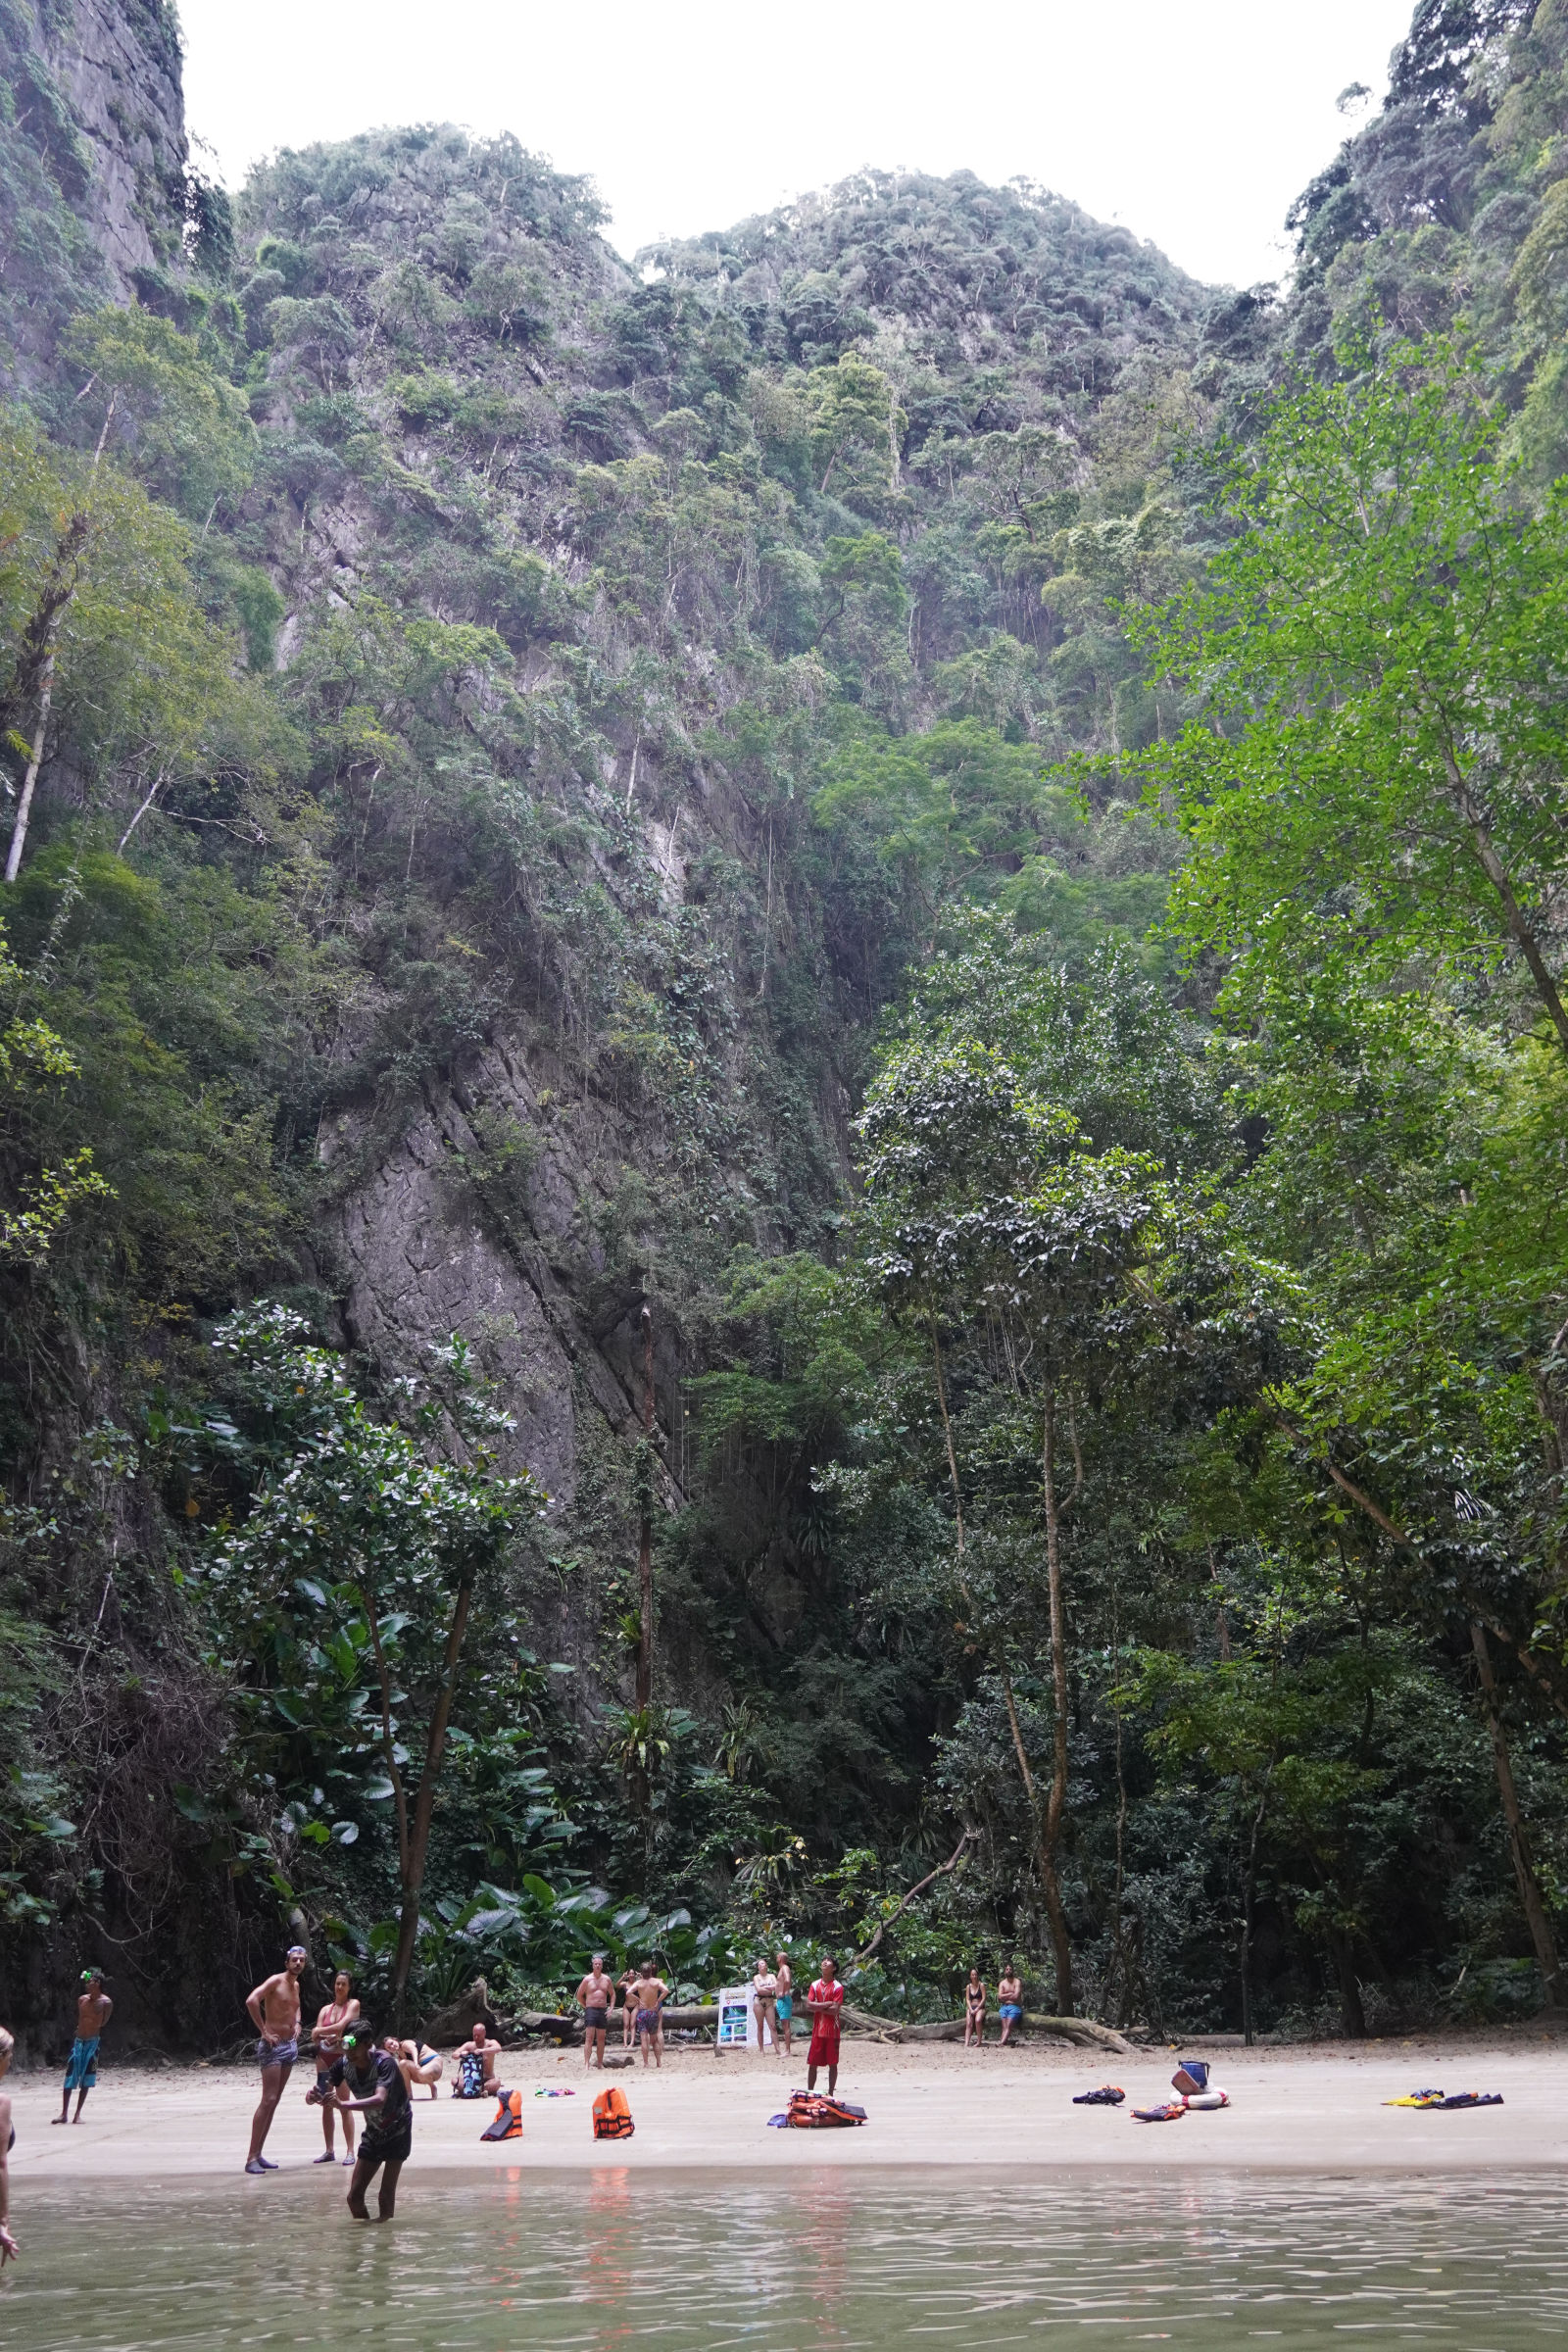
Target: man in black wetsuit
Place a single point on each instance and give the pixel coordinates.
(367, 2082)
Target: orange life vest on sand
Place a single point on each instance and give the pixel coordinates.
(809, 2111)
(508, 2121)
(613, 2115)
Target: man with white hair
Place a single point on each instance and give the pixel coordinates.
(275, 2008)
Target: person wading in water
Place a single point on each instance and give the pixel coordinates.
(366, 2081)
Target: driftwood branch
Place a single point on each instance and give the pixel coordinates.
(942, 1871)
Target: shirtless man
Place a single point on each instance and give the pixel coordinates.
(93, 2005)
(596, 1998)
(648, 1996)
(784, 2005)
(477, 2077)
(7, 2244)
(334, 2020)
(275, 2008)
(1009, 2001)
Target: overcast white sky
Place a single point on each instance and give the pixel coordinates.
(1195, 121)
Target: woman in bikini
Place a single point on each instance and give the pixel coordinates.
(974, 2009)
(624, 1985)
(332, 2023)
(764, 1993)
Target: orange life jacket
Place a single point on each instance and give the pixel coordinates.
(809, 2111)
(613, 2115)
(508, 2121)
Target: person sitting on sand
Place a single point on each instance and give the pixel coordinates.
(974, 2009)
(275, 2008)
(596, 1998)
(764, 1993)
(647, 1996)
(477, 2077)
(93, 2006)
(1010, 2000)
(422, 2064)
(823, 2003)
(332, 2022)
(366, 2081)
(784, 2003)
(9, 2248)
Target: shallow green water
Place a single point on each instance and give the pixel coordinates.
(807, 2260)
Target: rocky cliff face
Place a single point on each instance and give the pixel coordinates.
(92, 160)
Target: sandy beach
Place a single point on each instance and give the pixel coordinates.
(1307, 2107)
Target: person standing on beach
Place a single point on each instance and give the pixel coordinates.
(784, 2003)
(9, 2248)
(596, 1998)
(974, 2009)
(1010, 2000)
(823, 2004)
(369, 2082)
(624, 1985)
(93, 2006)
(650, 1992)
(332, 2024)
(275, 2008)
(764, 1993)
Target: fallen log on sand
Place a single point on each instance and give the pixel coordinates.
(1084, 2032)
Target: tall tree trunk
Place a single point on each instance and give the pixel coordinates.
(645, 1534)
(1044, 1857)
(1535, 1909)
(34, 680)
(1056, 1802)
(418, 1837)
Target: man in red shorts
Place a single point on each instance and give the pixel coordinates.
(822, 2005)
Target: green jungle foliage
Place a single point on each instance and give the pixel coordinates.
(973, 823)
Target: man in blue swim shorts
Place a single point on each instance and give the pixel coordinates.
(93, 2006)
(275, 2009)
(1009, 2001)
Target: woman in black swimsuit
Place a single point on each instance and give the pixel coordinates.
(8, 2140)
(974, 2009)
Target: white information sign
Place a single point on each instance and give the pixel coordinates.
(737, 2023)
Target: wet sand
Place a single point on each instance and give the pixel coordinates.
(1307, 2107)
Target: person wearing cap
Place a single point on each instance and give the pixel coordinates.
(93, 2006)
(368, 2081)
(275, 2008)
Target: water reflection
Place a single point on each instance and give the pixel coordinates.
(796, 2263)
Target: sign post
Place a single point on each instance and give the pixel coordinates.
(737, 2023)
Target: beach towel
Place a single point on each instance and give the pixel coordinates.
(1417, 2098)
(1171, 2113)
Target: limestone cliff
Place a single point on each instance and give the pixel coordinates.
(92, 160)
